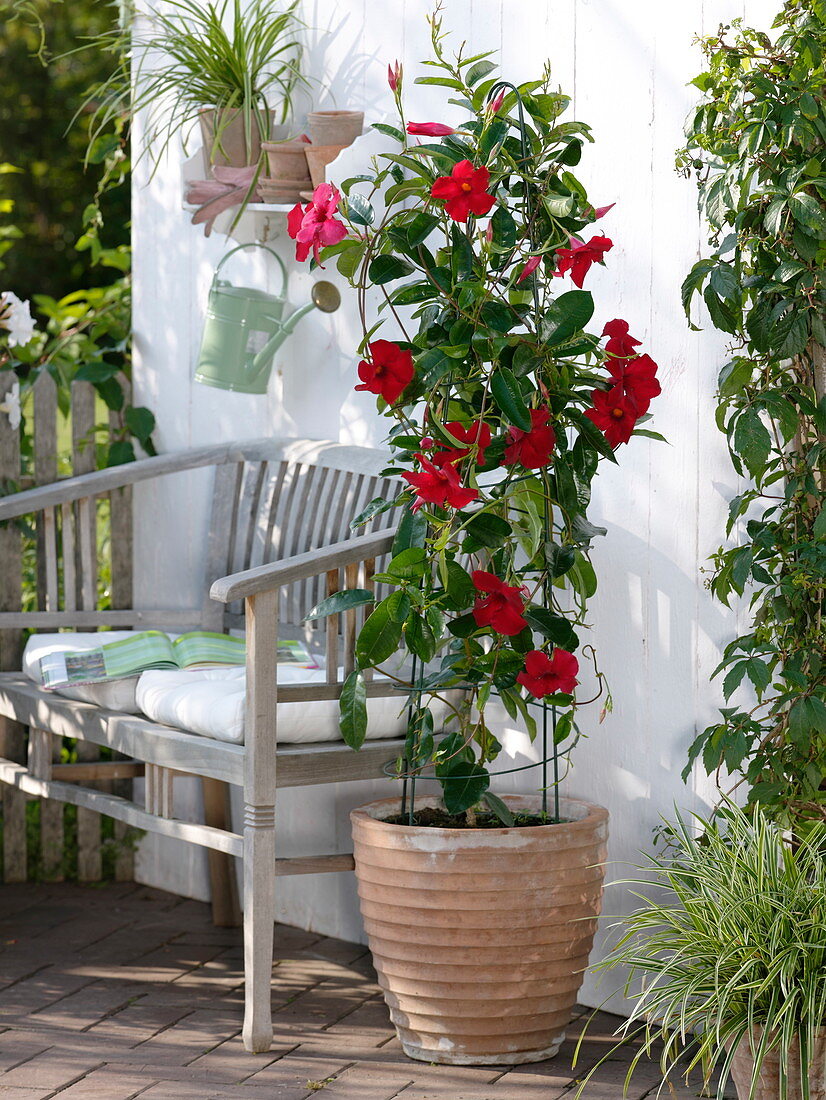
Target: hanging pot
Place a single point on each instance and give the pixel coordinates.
(244, 328)
(480, 937)
(334, 127)
(227, 141)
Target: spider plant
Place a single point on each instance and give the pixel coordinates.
(728, 949)
(234, 58)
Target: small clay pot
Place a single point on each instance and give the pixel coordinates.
(768, 1084)
(230, 148)
(480, 937)
(287, 161)
(335, 127)
(318, 157)
(280, 191)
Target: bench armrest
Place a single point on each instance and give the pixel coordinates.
(301, 566)
(103, 481)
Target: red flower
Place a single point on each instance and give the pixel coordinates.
(394, 75)
(529, 268)
(502, 608)
(477, 433)
(620, 343)
(546, 675)
(429, 129)
(614, 414)
(314, 226)
(439, 485)
(388, 372)
(531, 449)
(578, 258)
(465, 190)
(637, 380)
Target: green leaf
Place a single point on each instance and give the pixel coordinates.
(359, 210)
(725, 282)
(432, 366)
(341, 601)
(495, 804)
(809, 213)
(375, 508)
(140, 422)
(555, 628)
(819, 528)
(722, 315)
(120, 453)
(569, 314)
(507, 394)
(409, 564)
(489, 530)
(412, 531)
(559, 558)
(398, 606)
(752, 441)
(773, 219)
(389, 131)
(353, 710)
(419, 637)
(460, 587)
(379, 637)
(420, 228)
(503, 228)
(384, 269)
(96, 371)
(463, 784)
(479, 71)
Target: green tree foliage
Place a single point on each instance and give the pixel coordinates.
(756, 143)
(46, 74)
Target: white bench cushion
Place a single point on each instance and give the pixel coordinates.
(115, 695)
(211, 701)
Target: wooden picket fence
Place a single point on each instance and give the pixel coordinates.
(40, 841)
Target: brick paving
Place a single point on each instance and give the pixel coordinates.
(120, 991)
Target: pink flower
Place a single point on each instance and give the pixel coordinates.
(636, 380)
(620, 341)
(394, 75)
(499, 605)
(531, 449)
(314, 227)
(388, 372)
(478, 434)
(429, 129)
(529, 268)
(614, 413)
(578, 258)
(495, 105)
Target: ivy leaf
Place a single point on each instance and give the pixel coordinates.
(752, 441)
(353, 710)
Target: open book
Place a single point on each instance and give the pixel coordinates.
(154, 649)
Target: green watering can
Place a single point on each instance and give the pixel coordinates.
(244, 329)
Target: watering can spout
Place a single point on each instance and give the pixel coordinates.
(324, 296)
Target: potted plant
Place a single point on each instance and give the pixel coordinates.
(726, 957)
(756, 142)
(226, 66)
(481, 910)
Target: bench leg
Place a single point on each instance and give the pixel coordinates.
(259, 921)
(226, 911)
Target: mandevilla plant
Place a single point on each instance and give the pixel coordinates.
(503, 404)
(756, 143)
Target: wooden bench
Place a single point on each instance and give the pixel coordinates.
(279, 540)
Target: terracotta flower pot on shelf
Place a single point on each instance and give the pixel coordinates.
(288, 173)
(480, 937)
(318, 157)
(225, 139)
(334, 127)
(768, 1085)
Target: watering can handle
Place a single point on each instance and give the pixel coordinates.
(255, 244)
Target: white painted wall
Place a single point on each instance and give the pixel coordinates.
(657, 632)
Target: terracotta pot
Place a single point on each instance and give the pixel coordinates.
(232, 148)
(480, 937)
(334, 127)
(286, 161)
(768, 1086)
(281, 191)
(318, 157)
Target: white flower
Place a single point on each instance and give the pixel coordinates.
(11, 406)
(15, 315)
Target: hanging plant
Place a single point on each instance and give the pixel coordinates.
(479, 240)
(756, 144)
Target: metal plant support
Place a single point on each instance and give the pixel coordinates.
(410, 774)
